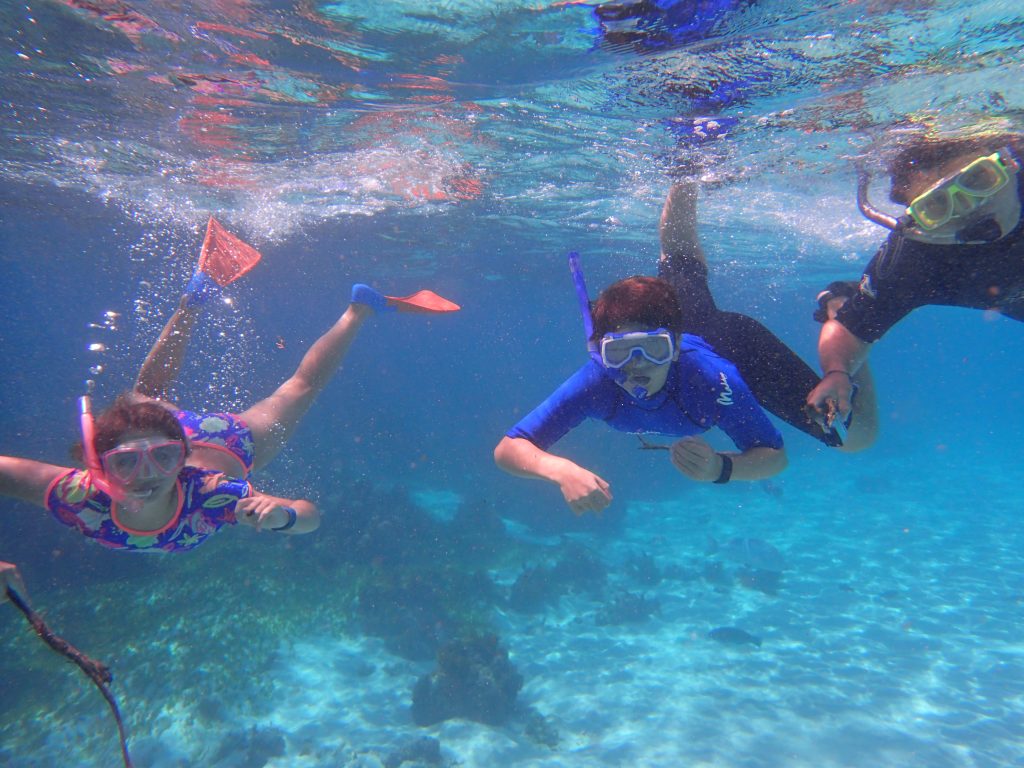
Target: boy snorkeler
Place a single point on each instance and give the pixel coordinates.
(645, 375)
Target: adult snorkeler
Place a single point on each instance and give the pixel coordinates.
(959, 242)
(777, 376)
(645, 375)
(159, 478)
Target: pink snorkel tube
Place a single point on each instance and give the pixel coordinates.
(92, 459)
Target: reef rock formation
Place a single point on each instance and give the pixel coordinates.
(474, 679)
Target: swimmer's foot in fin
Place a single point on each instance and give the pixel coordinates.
(421, 301)
(224, 259)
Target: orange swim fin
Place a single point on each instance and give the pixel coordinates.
(225, 257)
(426, 302)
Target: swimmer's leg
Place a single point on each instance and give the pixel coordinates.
(273, 419)
(163, 363)
(160, 369)
(682, 261)
(776, 375)
(678, 228)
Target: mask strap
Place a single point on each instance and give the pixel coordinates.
(1009, 159)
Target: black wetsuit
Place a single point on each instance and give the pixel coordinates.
(907, 274)
(778, 377)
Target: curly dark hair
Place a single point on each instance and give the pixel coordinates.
(650, 302)
(129, 413)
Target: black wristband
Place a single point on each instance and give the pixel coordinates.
(847, 374)
(726, 472)
(292, 517)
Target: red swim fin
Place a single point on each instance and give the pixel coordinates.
(422, 301)
(225, 257)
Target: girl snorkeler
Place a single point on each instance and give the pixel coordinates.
(159, 478)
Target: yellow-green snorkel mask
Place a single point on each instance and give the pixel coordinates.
(954, 196)
(962, 192)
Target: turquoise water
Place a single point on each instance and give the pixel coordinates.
(466, 147)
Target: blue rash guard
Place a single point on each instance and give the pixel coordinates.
(703, 391)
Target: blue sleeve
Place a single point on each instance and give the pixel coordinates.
(579, 397)
(744, 421)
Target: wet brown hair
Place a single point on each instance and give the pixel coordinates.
(130, 414)
(926, 153)
(650, 302)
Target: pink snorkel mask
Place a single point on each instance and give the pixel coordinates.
(92, 459)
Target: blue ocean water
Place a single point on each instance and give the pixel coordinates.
(466, 147)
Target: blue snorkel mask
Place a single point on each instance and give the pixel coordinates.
(657, 347)
(617, 349)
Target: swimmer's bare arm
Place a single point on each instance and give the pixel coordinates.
(265, 513)
(695, 458)
(842, 354)
(161, 366)
(27, 479)
(582, 490)
(863, 429)
(678, 226)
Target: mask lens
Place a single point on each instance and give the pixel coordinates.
(616, 352)
(167, 457)
(657, 349)
(122, 464)
(655, 346)
(932, 209)
(982, 177)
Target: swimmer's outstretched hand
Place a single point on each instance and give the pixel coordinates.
(696, 459)
(262, 512)
(9, 577)
(584, 491)
(831, 399)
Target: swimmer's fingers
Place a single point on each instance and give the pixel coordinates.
(254, 510)
(696, 459)
(596, 502)
(584, 491)
(832, 393)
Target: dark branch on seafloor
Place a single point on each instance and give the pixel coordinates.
(95, 670)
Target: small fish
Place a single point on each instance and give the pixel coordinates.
(733, 636)
(753, 553)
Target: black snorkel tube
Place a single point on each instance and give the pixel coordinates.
(868, 211)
